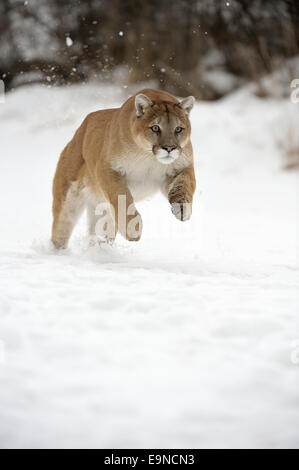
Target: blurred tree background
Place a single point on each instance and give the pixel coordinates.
(206, 48)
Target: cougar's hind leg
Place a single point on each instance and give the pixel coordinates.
(66, 213)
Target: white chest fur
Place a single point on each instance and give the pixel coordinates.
(145, 175)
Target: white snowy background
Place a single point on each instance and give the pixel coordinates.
(189, 338)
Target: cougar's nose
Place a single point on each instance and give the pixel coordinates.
(169, 148)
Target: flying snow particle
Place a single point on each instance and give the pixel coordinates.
(69, 41)
(227, 4)
(121, 33)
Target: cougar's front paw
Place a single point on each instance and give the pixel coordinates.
(181, 210)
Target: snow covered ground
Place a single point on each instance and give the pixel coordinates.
(189, 338)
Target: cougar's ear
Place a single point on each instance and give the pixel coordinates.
(187, 103)
(141, 103)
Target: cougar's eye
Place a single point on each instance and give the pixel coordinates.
(178, 129)
(155, 128)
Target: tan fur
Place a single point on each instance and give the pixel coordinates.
(115, 152)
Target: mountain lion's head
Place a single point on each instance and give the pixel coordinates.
(163, 127)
